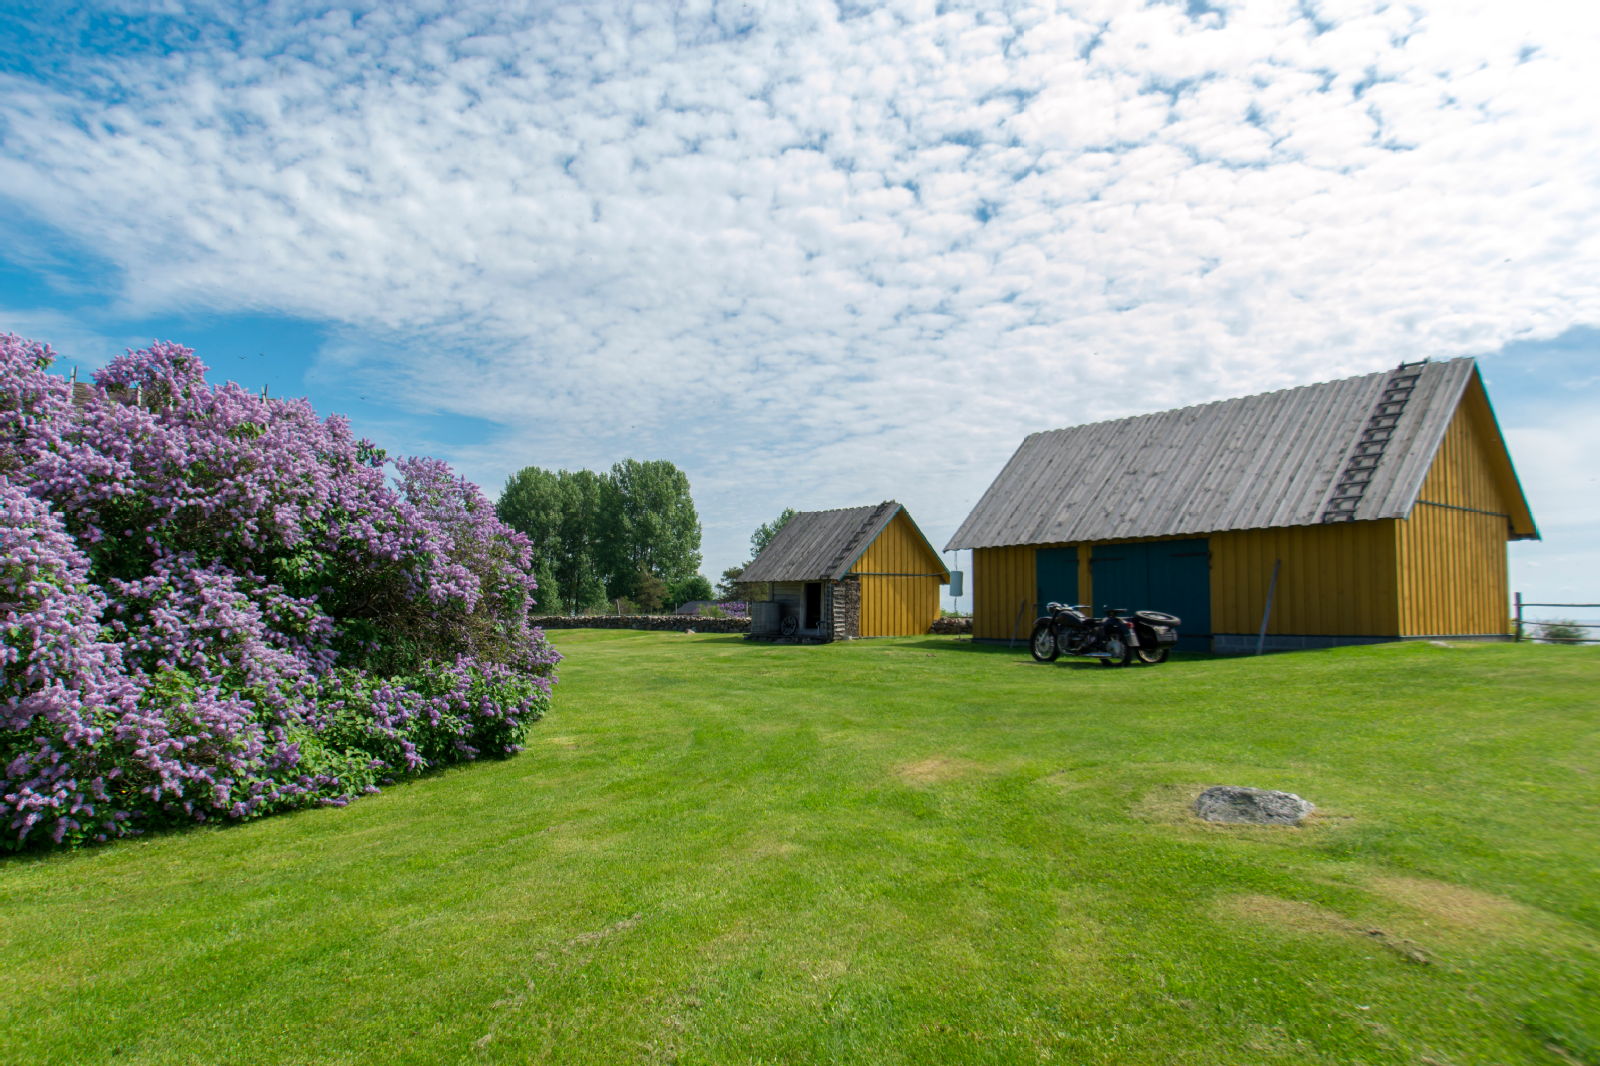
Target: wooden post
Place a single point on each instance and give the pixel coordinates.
(1022, 609)
(1518, 638)
(1272, 588)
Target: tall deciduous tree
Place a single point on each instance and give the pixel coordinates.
(531, 504)
(631, 533)
(561, 513)
(649, 525)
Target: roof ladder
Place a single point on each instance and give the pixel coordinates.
(1375, 436)
(849, 547)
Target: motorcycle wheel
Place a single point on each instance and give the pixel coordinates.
(1043, 643)
(1120, 655)
(1152, 656)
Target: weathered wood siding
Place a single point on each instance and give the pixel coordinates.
(1453, 546)
(1336, 580)
(900, 580)
(1003, 579)
(792, 594)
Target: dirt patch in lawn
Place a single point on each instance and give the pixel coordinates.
(1170, 805)
(936, 770)
(770, 849)
(594, 936)
(1454, 906)
(1300, 916)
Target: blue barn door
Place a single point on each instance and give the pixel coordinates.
(1056, 571)
(1164, 575)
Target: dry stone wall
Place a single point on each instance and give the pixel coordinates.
(846, 611)
(678, 622)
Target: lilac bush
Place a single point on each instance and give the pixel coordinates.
(216, 606)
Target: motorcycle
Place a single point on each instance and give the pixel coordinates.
(1115, 640)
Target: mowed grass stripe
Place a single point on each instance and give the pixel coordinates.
(907, 851)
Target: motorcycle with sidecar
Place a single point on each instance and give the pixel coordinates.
(1115, 638)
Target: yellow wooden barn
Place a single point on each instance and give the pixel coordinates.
(1369, 509)
(846, 573)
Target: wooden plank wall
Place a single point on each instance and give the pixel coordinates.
(1440, 572)
(1002, 578)
(900, 582)
(1335, 580)
(898, 606)
(1453, 577)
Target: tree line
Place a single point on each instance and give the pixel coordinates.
(628, 534)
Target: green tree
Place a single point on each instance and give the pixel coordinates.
(728, 587)
(599, 537)
(583, 580)
(530, 504)
(560, 512)
(649, 591)
(764, 533)
(693, 587)
(649, 525)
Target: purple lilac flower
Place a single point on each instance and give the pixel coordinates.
(214, 605)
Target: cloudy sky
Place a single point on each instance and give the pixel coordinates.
(818, 254)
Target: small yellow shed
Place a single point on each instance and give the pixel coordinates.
(847, 573)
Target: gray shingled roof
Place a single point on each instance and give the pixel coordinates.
(820, 545)
(1335, 451)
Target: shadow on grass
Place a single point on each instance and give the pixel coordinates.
(45, 850)
(969, 646)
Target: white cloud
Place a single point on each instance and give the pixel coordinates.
(821, 260)
(77, 347)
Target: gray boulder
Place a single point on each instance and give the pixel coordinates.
(1251, 806)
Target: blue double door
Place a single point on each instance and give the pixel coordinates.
(1164, 575)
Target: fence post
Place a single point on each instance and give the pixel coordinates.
(1518, 638)
(1266, 614)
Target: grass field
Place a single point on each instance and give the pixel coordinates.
(908, 851)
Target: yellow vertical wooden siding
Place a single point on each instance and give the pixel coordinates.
(907, 602)
(1002, 580)
(898, 606)
(1442, 571)
(1334, 580)
(1453, 562)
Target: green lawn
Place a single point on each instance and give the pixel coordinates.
(909, 851)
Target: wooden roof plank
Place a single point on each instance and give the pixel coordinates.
(1263, 461)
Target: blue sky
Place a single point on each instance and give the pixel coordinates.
(818, 254)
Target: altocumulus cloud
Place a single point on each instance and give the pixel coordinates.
(825, 254)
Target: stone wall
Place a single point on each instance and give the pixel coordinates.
(678, 622)
(846, 608)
